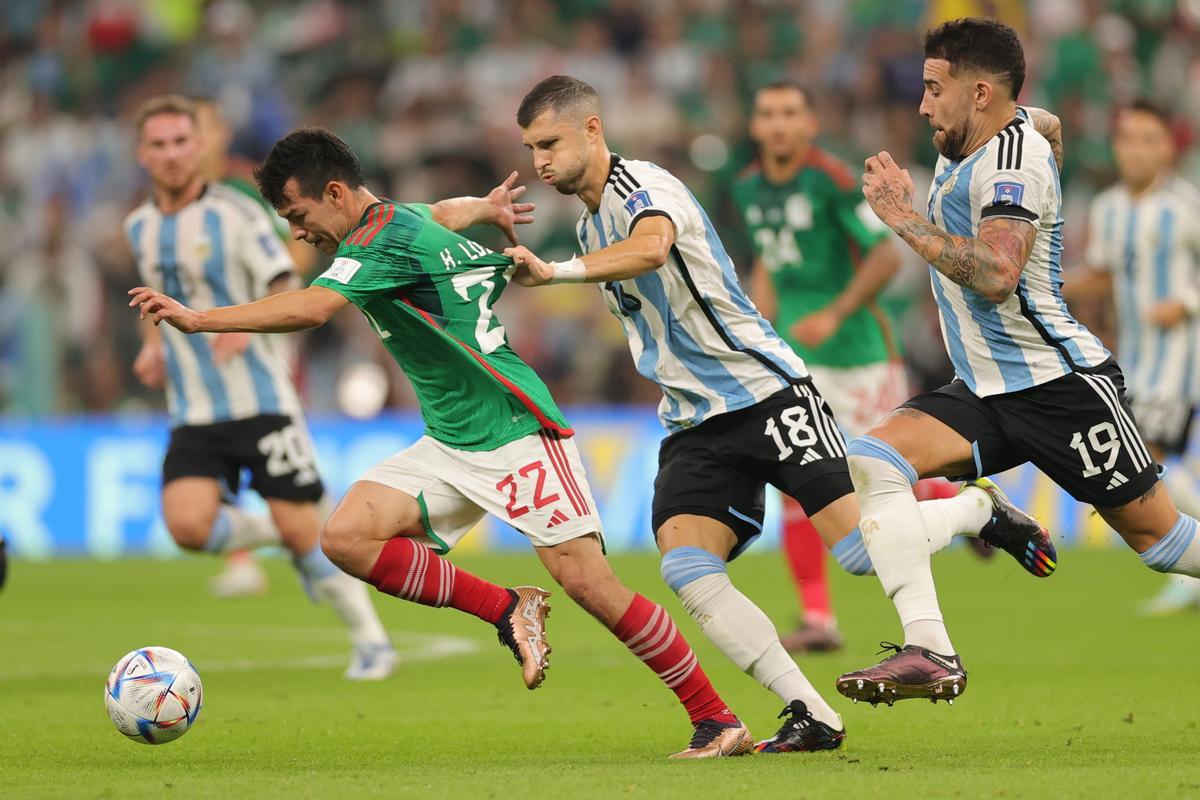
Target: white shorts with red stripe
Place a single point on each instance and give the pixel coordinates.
(536, 484)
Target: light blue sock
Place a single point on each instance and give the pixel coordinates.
(315, 565)
(1178, 551)
(851, 554)
(222, 529)
(683, 565)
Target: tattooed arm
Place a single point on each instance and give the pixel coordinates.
(1050, 127)
(989, 263)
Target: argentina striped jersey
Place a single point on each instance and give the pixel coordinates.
(219, 250)
(691, 328)
(1151, 246)
(1031, 338)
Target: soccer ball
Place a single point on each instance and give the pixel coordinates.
(153, 695)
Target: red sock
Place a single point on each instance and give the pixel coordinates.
(412, 571)
(650, 634)
(806, 556)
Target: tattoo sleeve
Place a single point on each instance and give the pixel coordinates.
(1049, 126)
(989, 264)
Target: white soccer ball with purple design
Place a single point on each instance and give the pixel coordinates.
(153, 695)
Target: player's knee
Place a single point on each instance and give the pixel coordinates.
(190, 530)
(877, 466)
(338, 537)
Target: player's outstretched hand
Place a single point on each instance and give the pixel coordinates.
(889, 190)
(158, 307)
(812, 330)
(507, 212)
(226, 346)
(150, 366)
(1166, 314)
(531, 270)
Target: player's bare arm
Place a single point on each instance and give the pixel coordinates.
(1087, 284)
(234, 343)
(762, 291)
(989, 264)
(296, 310)
(499, 208)
(647, 248)
(1049, 126)
(150, 366)
(871, 277)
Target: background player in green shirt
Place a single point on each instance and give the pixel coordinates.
(495, 441)
(821, 258)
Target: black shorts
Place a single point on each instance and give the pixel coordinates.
(1077, 429)
(720, 468)
(1164, 422)
(274, 448)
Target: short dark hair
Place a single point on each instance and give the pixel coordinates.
(1145, 106)
(786, 83)
(172, 104)
(987, 45)
(556, 93)
(312, 156)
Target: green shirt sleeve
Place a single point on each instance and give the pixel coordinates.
(856, 219)
(363, 275)
(424, 209)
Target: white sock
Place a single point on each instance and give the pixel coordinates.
(964, 514)
(349, 599)
(234, 529)
(894, 532)
(744, 633)
(1178, 552)
(1182, 487)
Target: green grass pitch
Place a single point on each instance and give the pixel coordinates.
(1070, 693)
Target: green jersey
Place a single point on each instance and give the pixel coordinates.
(428, 293)
(807, 233)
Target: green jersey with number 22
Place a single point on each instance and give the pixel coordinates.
(428, 293)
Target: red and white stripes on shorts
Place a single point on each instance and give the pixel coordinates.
(660, 645)
(561, 464)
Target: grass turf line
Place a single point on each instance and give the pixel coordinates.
(1069, 695)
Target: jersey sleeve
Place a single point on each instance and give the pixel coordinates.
(261, 252)
(1014, 179)
(362, 273)
(422, 209)
(657, 192)
(1096, 255)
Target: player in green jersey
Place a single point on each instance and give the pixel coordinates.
(495, 440)
(821, 258)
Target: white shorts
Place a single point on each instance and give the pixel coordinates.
(861, 396)
(536, 484)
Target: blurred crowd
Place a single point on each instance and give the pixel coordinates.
(426, 91)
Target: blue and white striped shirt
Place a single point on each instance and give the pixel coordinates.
(1031, 338)
(220, 250)
(1151, 247)
(691, 328)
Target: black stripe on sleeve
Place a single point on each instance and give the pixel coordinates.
(648, 212)
(1002, 210)
(623, 180)
(1020, 145)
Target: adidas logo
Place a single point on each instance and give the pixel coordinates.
(556, 519)
(1117, 480)
(810, 456)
